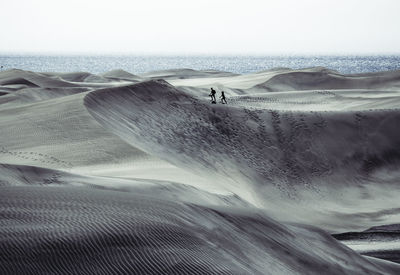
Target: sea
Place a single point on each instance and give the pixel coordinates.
(98, 64)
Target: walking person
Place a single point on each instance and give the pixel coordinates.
(212, 95)
(223, 98)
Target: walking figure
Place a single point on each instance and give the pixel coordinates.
(223, 98)
(212, 95)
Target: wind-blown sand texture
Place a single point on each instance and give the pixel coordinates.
(139, 174)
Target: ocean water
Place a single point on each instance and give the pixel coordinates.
(236, 64)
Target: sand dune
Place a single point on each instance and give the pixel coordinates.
(260, 154)
(294, 81)
(186, 74)
(122, 75)
(145, 234)
(31, 95)
(78, 77)
(59, 133)
(31, 79)
(21, 175)
(54, 134)
(121, 173)
(320, 100)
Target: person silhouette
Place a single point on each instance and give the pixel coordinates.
(212, 95)
(223, 98)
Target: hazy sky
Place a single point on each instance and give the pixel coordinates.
(200, 27)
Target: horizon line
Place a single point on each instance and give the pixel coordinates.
(5, 53)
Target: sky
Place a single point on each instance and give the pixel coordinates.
(185, 27)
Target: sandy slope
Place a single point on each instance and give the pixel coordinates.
(92, 231)
(57, 132)
(132, 174)
(326, 161)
